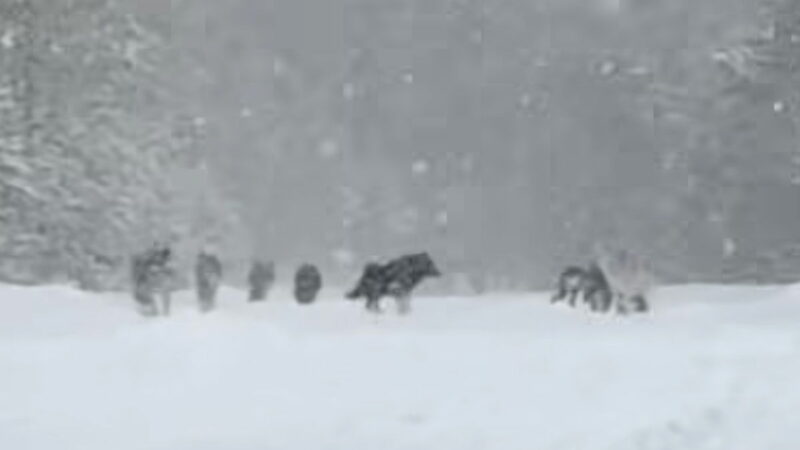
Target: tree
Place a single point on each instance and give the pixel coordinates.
(91, 142)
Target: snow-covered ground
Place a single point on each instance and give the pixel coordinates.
(711, 368)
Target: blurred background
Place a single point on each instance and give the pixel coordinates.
(507, 137)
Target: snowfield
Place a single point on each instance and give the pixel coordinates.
(711, 368)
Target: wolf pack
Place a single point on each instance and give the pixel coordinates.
(615, 283)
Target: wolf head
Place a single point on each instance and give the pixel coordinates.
(424, 264)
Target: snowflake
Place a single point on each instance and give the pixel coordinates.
(7, 40)
(408, 78)
(608, 68)
(279, 67)
(349, 91)
(420, 167)
(328, 148)
(442, 218)
(715, 217)
(343, 257)
(526, 100)
(541, 63)
(729, 247)
(639, 71)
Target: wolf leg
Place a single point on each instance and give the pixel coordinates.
(573, 295)
(206, 304)
(606, 299)
(639, 304)
(166, 300)
(622, 306)
(403, 304)
(373, 305)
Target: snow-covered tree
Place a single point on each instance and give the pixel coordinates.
(92, 140)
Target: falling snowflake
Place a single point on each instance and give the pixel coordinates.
(420, 167)
(328, 148)
(526, 100)
(639, 71)
(8, 40)
(348, 91)
(348, 222)
(343, 257)
(279, 67)
(246, 113)
(715, 217)
(442, 218)
(729, 247)
(608, 68)
(408, 78)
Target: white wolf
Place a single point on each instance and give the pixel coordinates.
(628, 278)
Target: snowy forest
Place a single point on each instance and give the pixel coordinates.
(506, 137)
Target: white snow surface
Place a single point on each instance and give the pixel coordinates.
(710, 368)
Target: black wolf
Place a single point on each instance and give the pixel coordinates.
(260, 279)
(590, 282)
(397, 279)
(307, 283)
(570, 284)
(597, 291)
(152, 274)
(207, 275)
(639, 305)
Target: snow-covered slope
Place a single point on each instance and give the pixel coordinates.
(711, 368)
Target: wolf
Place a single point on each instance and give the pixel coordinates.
(261, 278)
(569, 285)
(307, 284)
(208, 275)
(597, 292)
(152, 275)
(629, 280)
(590, 283)
(396, 279)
